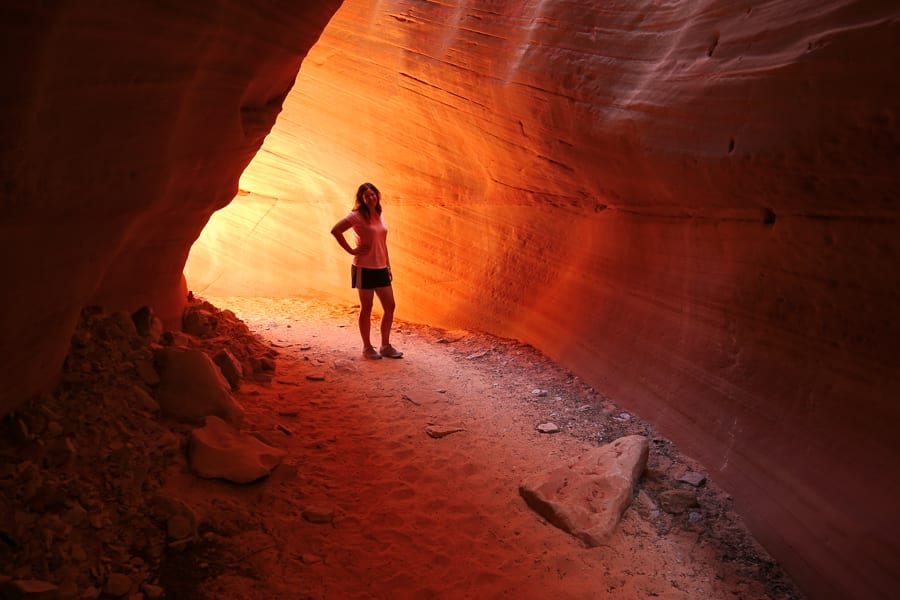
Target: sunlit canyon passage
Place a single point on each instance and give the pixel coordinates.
(692, 206)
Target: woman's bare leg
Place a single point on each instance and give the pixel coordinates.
(386, 297)
(365, 316)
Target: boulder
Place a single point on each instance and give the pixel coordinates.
(218, 450)
(587, 498)
(147, 323)
(230, 366)
(192, 387)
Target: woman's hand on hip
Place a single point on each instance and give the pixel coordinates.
(361, 249)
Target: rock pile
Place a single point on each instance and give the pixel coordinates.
(81, 470)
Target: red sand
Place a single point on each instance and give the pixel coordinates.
(409, 516)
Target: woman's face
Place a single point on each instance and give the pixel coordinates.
(371, 199)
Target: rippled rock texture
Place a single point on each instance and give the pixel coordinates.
(693, 205)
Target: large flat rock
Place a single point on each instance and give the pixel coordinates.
(587, 498)
(219, 451)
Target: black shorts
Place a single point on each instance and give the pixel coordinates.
(371, 278)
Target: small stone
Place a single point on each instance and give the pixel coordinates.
(439, 431)
(646, 505)
(538, 392)
(199, 323)
(316, 377)
(75, 516)
(311, 559)
(145, 400)
(345, 366)
(694, 517)
(230, 366)
(33, 589)
(118, 585)
(152, 591)
(477, 355)
(146, 323)
(179, 527)
(318, 515)
(547, 428)
(124, 323)
(677, 501)
(693, 478)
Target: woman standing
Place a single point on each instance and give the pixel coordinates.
(371, 269)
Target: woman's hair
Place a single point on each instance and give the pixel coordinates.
(361, 206)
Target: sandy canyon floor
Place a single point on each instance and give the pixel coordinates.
(366, 504)
(418, 517)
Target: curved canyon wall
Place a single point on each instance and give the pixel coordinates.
(124, 127)
(692, 205)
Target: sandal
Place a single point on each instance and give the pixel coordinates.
(390, 352)
(370, 352)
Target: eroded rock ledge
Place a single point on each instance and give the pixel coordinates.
(124, 129)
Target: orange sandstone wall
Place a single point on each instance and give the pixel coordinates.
(692, 205)
(124, 126)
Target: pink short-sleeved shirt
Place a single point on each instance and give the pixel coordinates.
(375, 235)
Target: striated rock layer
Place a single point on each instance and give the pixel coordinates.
(124, 127)
(693, 205)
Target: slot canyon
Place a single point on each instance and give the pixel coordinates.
(692, 206)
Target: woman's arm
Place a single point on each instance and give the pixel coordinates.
(338, 232)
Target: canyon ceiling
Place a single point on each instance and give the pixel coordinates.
(692, 205)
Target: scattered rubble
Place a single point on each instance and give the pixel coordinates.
(81, 468)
